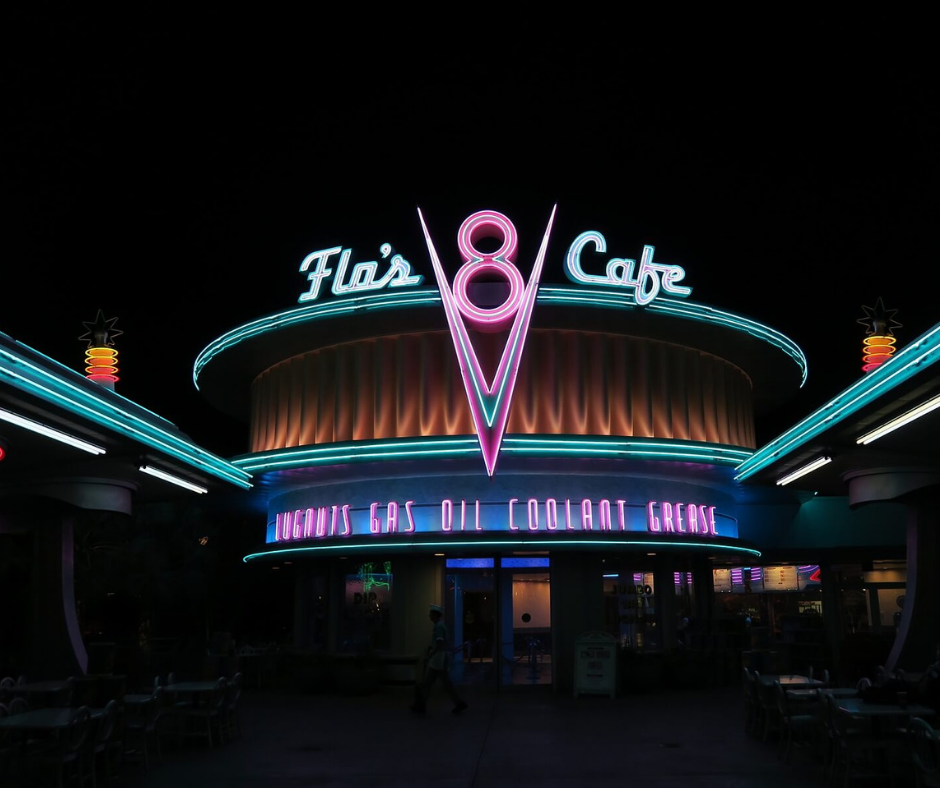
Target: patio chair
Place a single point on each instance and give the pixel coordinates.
(140, 727)
(798, 727)
(206, 715)
(856, 751)
(924, 751)
(769, 713)
(62, 756)
(101, 744)
(231, 726)
(751, 702)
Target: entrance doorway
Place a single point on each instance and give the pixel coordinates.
(526, 623)
(500, 609)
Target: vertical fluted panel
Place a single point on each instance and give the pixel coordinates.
(429, 389)
(326, 394)
(363, 392)
(385, 386)
(308, 406)
(678, 384)
(407, 399)
(570, 382)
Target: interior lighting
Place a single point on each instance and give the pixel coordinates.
(49, 432)
(809, 468)
(169, 477)
(921, 410)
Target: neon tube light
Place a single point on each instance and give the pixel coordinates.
(508, 543)
(169, 477)
(580, 297)
(107, 408)
(908, 362)
(489, 401)
(560, 446)
(921, 410)
(809, 468)
(49, 432)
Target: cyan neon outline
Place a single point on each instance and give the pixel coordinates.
(429, 297)
(602, 541)
(453, 448)
(910, 361)
(56, 389)
(489, 402)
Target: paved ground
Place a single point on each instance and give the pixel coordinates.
(515, 738)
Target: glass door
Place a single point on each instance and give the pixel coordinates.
(470, 603)
(525, 621)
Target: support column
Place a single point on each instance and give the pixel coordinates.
(56, 647)
(919, 632)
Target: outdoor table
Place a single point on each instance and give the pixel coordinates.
(49, 690)
(43, 719)
(878, 712)
(196, 689)
(790, 681)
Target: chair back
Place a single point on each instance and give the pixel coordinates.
(233, 690)
(4, 711)
(7, 682)
(18, 705)
(863, 683)
(77, 731)
(217, 701)
(105, 727)
(924, 744)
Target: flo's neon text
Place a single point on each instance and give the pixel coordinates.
(362, 279)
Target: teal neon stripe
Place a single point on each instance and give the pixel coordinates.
(382, 545)
(909, 361)
(382, 450)
(549, 294)
(54, 388)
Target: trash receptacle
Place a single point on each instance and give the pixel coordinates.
(595, 664)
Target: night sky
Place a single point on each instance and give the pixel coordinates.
(175, 180)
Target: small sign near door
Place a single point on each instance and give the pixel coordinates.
(595, 664)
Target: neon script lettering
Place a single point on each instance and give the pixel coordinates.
(362, 278)
(646, 282)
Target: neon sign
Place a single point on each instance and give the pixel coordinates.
(645, 283)
(489, 400)
(516, 515)
(363, 276)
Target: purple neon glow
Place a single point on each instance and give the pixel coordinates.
(497, 393)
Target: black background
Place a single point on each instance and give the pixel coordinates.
(174, 171)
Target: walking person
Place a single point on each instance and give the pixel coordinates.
(436, 667)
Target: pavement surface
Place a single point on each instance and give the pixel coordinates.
(517, 737)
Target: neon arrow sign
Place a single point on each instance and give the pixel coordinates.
(489, 401)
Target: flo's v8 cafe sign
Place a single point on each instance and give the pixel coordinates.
(490, 397)
(338, 520)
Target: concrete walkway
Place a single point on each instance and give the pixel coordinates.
(518, 737)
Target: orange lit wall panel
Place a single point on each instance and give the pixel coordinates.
(570, 382)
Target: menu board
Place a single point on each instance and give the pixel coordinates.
(780, 578)
(722, 580)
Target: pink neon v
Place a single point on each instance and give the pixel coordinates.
(494, 397)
